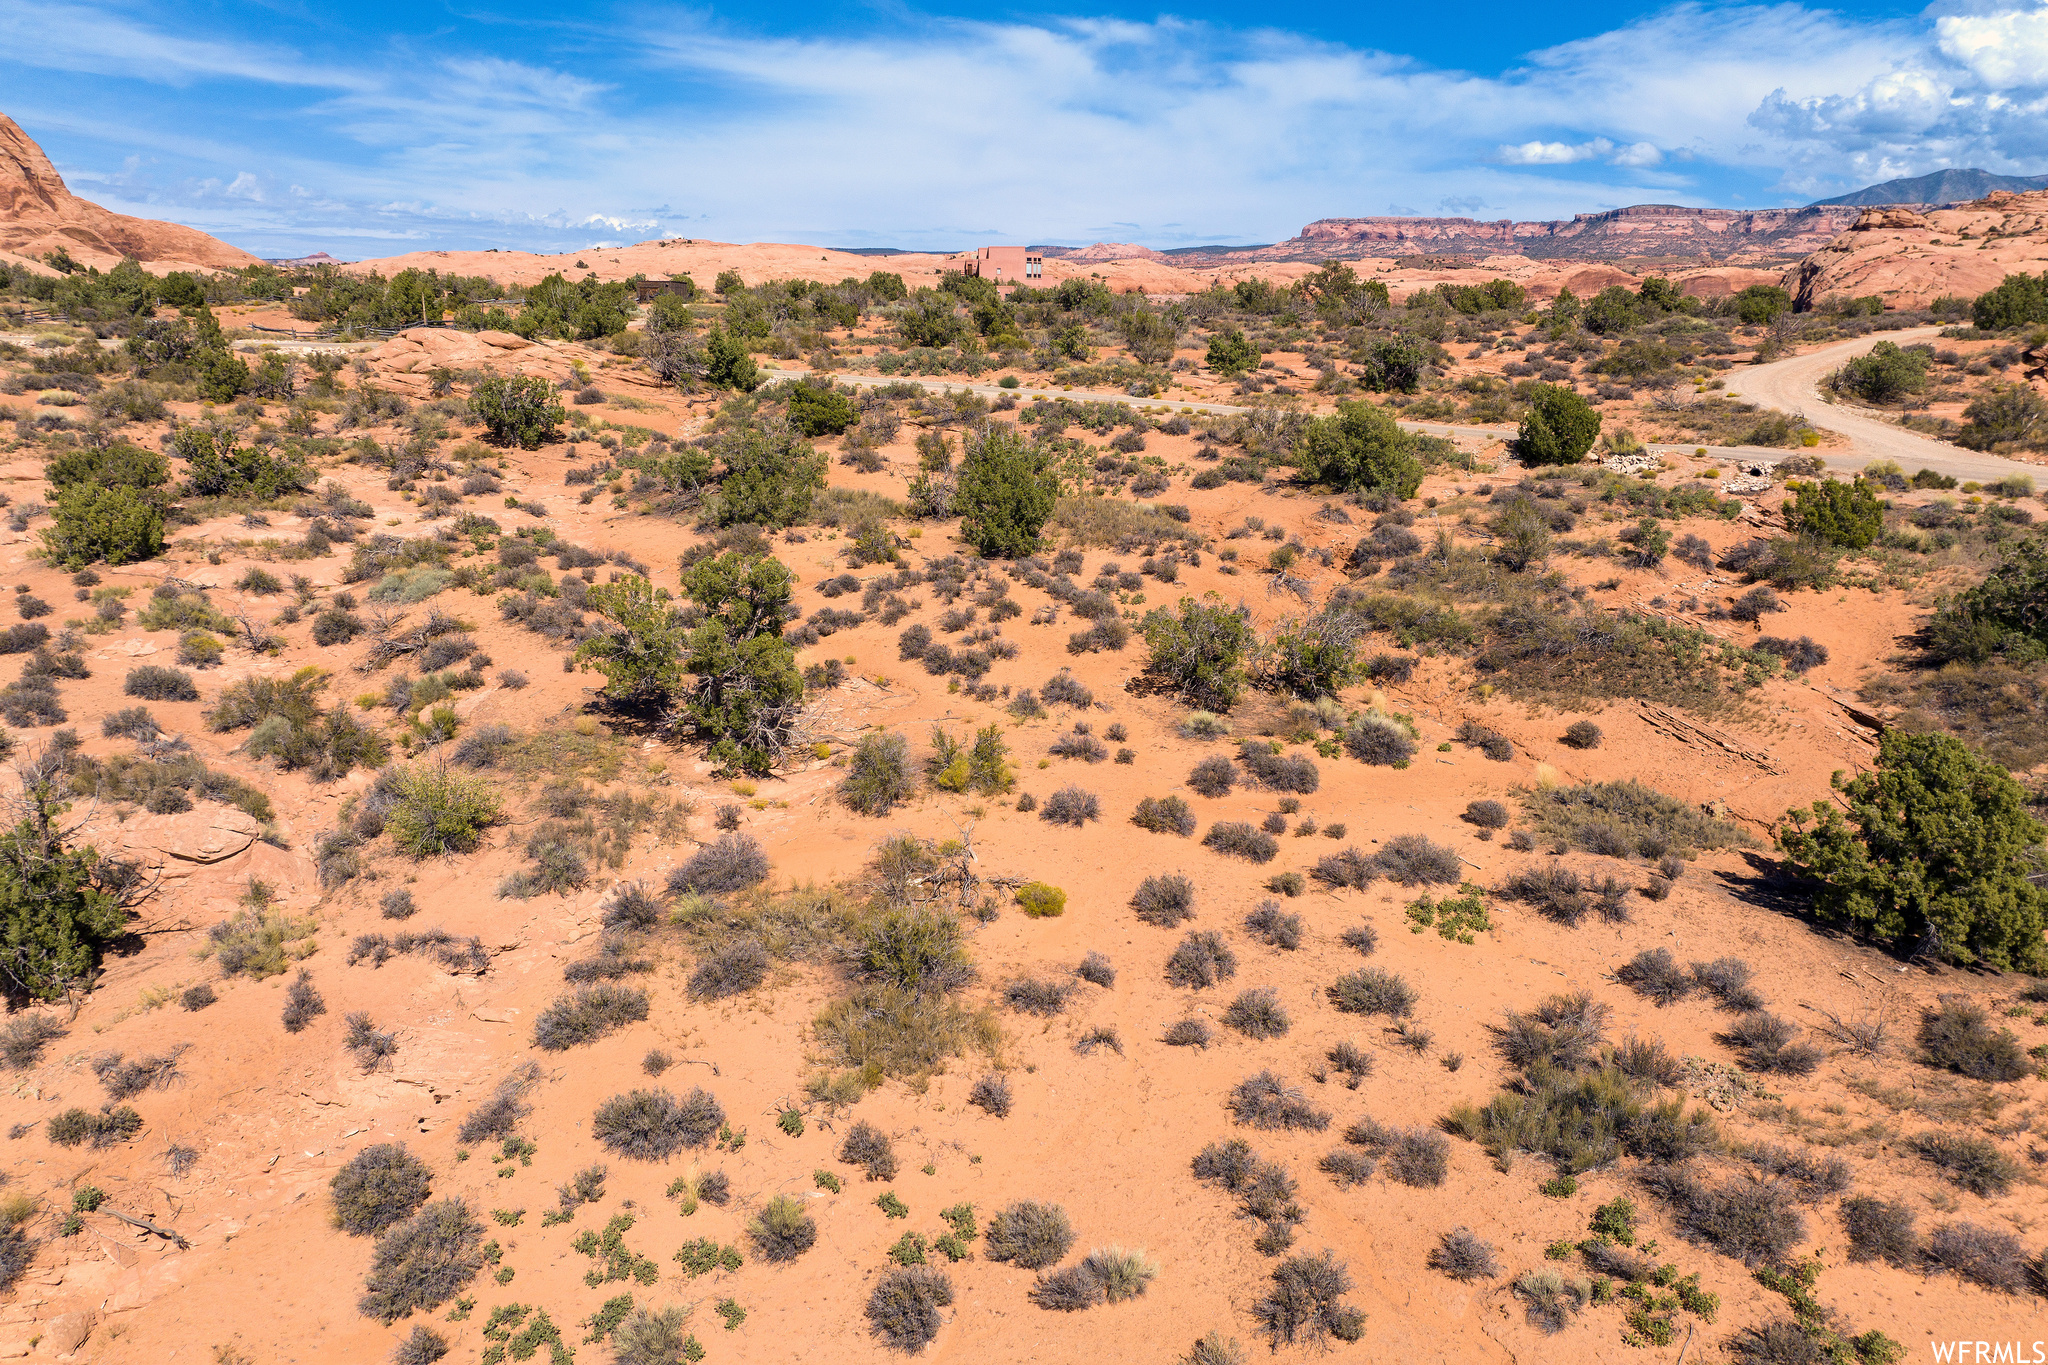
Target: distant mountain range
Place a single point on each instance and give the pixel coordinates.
(1938, 187)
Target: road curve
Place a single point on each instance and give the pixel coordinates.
(1793, 385)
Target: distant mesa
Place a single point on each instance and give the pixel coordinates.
(317, 258)
(1938, 187)
(38, 214)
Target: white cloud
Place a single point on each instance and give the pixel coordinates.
(2003, 50)
(1554, 153)
(1173, 132)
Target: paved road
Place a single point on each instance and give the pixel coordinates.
(1793, 385)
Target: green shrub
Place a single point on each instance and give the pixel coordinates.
(771, 477)
(58, 907)
(2015, 301)
(2005, 615)
(2004, 415)
(1360, 449)
(436, 811)
(1041, 901)
(517, 409)
(819, 410)
(104, 1129)
(1005, 494)
(878, 778)
(1845, 514)
(116, 524)
(1559, 429)
(1884, 373)
(1760, 303)
(1200, 649)
(1936, 844)
(216, 468)
(1230, 354)
(728, 364)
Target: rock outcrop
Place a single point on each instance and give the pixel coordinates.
(1909, 258)
(39, 214)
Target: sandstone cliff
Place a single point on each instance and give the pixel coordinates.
(39, 214)
(1910, 257)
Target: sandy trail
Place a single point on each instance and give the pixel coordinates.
(1793, 385)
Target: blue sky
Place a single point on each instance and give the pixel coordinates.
(368, 129)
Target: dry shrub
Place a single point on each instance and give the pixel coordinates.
(1815, 1176)
(423, 1262)
(1955, 1036)
(1727, 979)
(1187, 1033)
(1557, 893)
(1463, 1255)
(1236, 839)
(738, 966)
(1755, 1221)
(734, 863)
(1097, 970)
(1620, 818)
(23, 1038)
(1373, 990)
(1550, 1300)
(1203, 959)
(1030, 995)
(1880, 1230)
(1274, 925)
(1413, 860)
(1413, 1156)
(1213, 776)
(1656, 976)
(992, 1094)
(1165, 815)
(1165, 900)
(652, 1125)
(1969, 1161)
(1070, 805)
(1263, 1100)
(1257, 1014)
(1984, 1256)
(782, 1231)
(498, 1117)
(381, 1185)
(1565, 1031)
(904, 1308)
(1347, 868)
(1306, 1303)
(869, 1148)
(588, 1015)
(1028, 1235)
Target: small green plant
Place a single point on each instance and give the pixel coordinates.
(509, 1218)
(826, 1181)
(1559, 1187)
(87, 1198)
(731, 1139)
(909, 1249)
(890, 1205)
(733, 1314)
(703, 1256)
(1560, 1250)
(791, 1121)
(1616, 1221)
(1455, 917)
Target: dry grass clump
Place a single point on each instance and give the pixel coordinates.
(1165, 815)
(23, 1038)
(733, 863)
(1263, 1100)
(153, 682)
(992, 1094)
(904, 1308)
(1351, 1061)
(782, 1231)
(1463, 1255)
(1550, 1300)
(589, 1014)
(1956, 1037)
(651, 1125)
(1165, 900)
(1277, 771)
(1620, 819)
(1970, 1162)
(1028, 1235)
(1880, 1230)
(381, 1185)
(1379, 742)
(1647, 1060)
(1767, 1045)
(1814, 1175)
(1984, 1256)
(302, 1003)
(1097, 970)
(1656, 976)
(1306, 1303)
(372, 1047)
(423, 1262)
(104, 1129)
(1215, 1349)
(1258, 1014)
(1202, 960)
(1236, 839)
(1582, 734)
(1070, 805)
(125, 1079)
(1373, 990)
(423, 1347)
(1487, 815)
